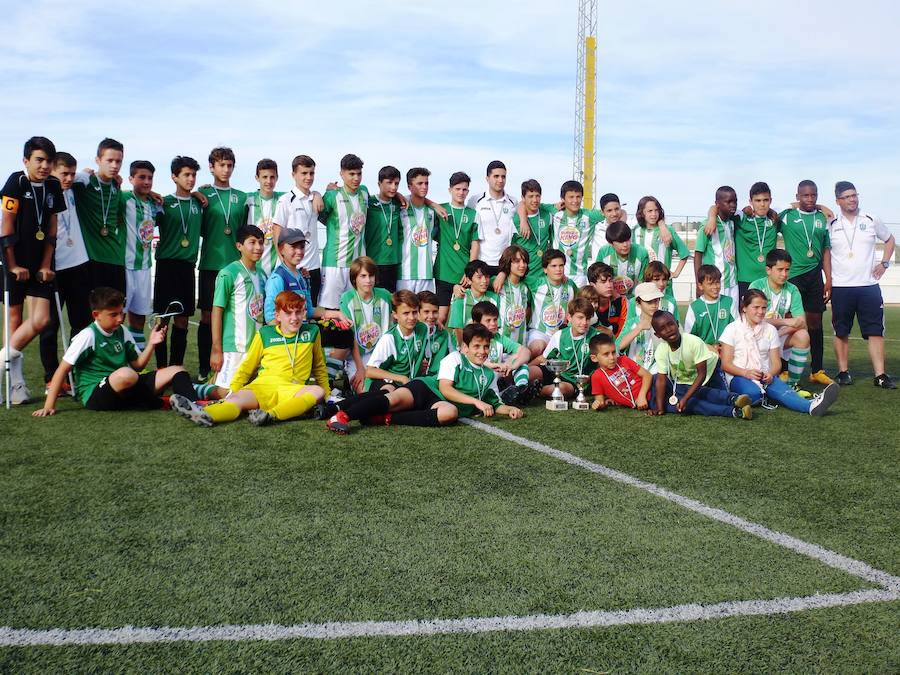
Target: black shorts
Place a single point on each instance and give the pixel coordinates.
(376, 385)
(142, 395)
(547, 377)
(444, 290)
(206, 290)
(493, 270)
(105, 274)
(34, 288)
(175, 280)
(423, 397)
(335, 337)
(387, 277)
(812, 290)
(743, 287)
(862, 302)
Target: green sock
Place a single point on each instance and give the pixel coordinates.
(139, 340)
(520, 375)
(796, 364)
(204, 390)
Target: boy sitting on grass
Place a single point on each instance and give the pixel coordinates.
(107, 364)
(617, 380)
(438, 341)
(571, 344)
(271, 381)
(506, 358)
(549, 298)
(463, 386)
(637, 339)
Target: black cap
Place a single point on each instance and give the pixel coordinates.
(291, 237)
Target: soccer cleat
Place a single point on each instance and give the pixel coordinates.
(339, 423)
(820, 377)
(19, 394)
(527, 392)
(783, 375)
(190, 410)
(510, 394)
(884, 381)
(822, 402)
(66, 389)
(202, 379)
(336, 395)
(378, 421)
(844, 379)
(259, 417)
(802, 393)
(323, 411)
(742, 400)
(743, 412)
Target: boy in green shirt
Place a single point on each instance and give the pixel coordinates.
(461, 307)
(570, 344)
(437, 340)
(628, 260)
(382, 233)
(715, 244)
(238, 305)
(261, 206)
(659, 274)
(369, 310)
(457, 240)
(786, 314)
(549, 299)
(538, 221)
(577, 232)
(506, 358)
(514, 298)
(708, 315)
(755, 234)
(225, 212)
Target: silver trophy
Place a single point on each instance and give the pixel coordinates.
(580, 402)
(557, 400)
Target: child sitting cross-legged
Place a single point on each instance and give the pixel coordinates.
(506, 358)
(617, 380)
(271, 380)
(569, 344)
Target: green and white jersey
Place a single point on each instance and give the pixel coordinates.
(666, 304)
(400, 354)
(241, 293)
(139, 220)
(416, 224)
(753, 239)
(180, 220)
(454, 239)
(95, 354)
(629, 271)
(648, 237)
(804, 233)
(476, 381)
(539, 239)
(575, 350)
(344, 215)
(261, 212)
(549, 303)
(513, 302)
(382, 233)
(707, 319)
(371, 318)
(97, 204)
(783, 302)
(718, 250)
(500, 348)
(642, 348)
(222, 217)
(461, 308)
(579, 237)
(437, 345)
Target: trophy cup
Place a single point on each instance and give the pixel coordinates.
(557, 400)
(580, 402)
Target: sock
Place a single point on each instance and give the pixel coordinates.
(182, 385)
(345, 403)
(816, 349)
(204, 390)
(365, 407)
(796, 364)
(293, 407)
(15, 365)
(520, 375)
(223, 412)
(204, 346)
(417, 418)
(179, 345)
(139, 340)
(161, 351)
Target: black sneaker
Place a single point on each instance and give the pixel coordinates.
(822, 402)
(884, 381)
(528, 392)
(843, 378)
(510, 394)
(324, 411)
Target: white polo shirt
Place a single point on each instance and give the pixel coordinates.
(491, 215)
(295, 211)
(853, 248)
(70, 249)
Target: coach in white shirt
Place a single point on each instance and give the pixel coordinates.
(494, 211)
(855, 274)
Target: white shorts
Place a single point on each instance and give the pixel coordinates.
(230, 363)
(415, 285)
(335, 282)
(138, 292)
(535, 334)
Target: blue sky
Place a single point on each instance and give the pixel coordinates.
(691, 95)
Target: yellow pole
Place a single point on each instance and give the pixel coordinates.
(590, 105)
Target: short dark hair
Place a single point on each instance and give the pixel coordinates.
(267, 164)
(483, 309)
(642, 202)
(618, 232)
(581, 306)
(302, 160)
(183, 162)
(661, 314)
(509, 254)
(428, 298)
(388, 173)
(777, 255)
(570, 186)
(750, 295)
(551, 254)
(221, 154)
(496, 164)
(415, 172)
(531, 185)
(599, 270)
(654, 268)
(759, 188)
(351, 162)
(65, 159)
(458, 177)
(476, 330)
(725, 190)
(404, 297)
(139, 164)
(244, 232)
(599, 340)
(39, 143)
(842, 186)
(608, 198)
(109, 144)
(807, 183)
(474, 266)
(710, 272)
(104, 297)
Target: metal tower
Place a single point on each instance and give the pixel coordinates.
(586, 100)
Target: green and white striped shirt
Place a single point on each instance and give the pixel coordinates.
(261, 212)
(344, 216)
(139, 218)
(548, 305)
(416, 224)
(241, 293)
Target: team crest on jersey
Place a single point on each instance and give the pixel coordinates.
(505, 209)
(862, 227)
(723, 314)
(234, 199)
(304, 336)
(568, 236)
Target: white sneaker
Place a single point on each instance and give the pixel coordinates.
(822, 402)
(19, 394)
(259, 417)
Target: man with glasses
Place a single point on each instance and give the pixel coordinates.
(855, 275)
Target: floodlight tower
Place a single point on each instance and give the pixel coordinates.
(586, 100)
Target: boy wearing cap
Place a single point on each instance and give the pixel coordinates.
(637, 340)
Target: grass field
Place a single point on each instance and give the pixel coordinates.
(111, 520)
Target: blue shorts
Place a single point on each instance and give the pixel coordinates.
(863, 302)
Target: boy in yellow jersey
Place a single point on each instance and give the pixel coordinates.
(271, 381)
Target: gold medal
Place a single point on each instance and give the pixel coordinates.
(760, 258)
(39, 235)
(104, 231)
(389, 241)
(673, 400)
(850, 254)
(809, 253)
(456, 246)
(185, 243)
(227, 230)
(496, 230)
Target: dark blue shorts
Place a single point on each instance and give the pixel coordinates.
(863, 302)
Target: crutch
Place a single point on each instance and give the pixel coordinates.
(63, 332)
(174, 308)
(7, 240)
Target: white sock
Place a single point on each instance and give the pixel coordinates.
(15, 365)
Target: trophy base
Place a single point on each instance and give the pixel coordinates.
(581, 405)
(556, 405)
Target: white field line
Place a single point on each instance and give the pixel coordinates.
(23, 637)
(836, 560)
